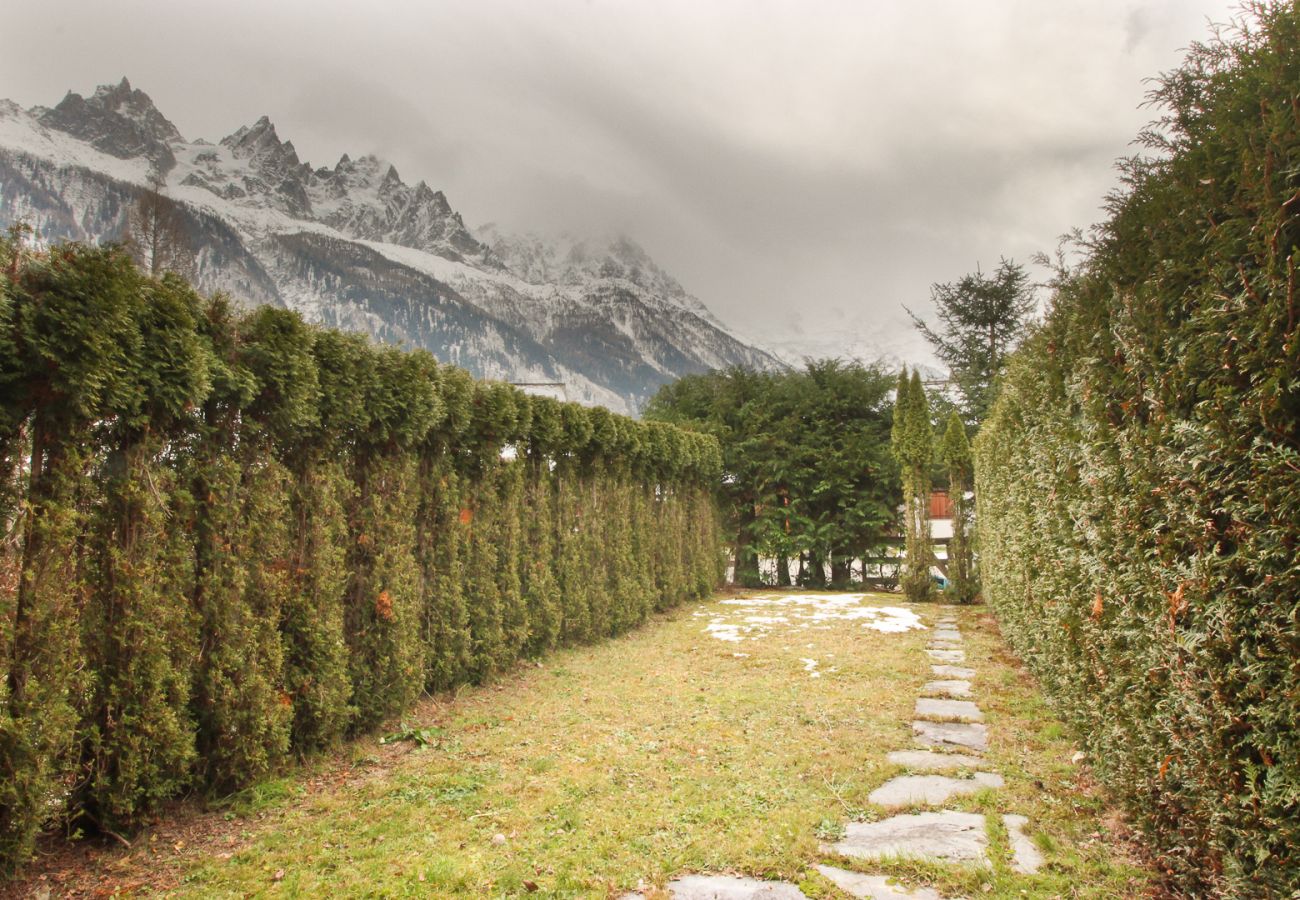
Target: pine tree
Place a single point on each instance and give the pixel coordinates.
(982, 319)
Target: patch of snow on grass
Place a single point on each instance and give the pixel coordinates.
(756, 617)
(896, 619)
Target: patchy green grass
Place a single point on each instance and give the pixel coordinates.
(664, 752)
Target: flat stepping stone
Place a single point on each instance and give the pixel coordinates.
(930, 790)
(930, 836)
(952, 688)
(947, 656)
(929, 761)
(946, 634)
(948, 710)
(1025, 858)
(953, 671)
(873, 887)
(972, 735)
(942, 645)
(725, 887)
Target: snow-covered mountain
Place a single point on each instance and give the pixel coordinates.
(355, 247)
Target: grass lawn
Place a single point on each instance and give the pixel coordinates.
(667, 751)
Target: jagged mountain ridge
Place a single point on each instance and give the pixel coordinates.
(355, 247)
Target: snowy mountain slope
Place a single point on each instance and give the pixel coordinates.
(355, 247)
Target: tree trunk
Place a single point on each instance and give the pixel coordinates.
(817, 569)
(782, 570)
(746, 574)
(840, 563)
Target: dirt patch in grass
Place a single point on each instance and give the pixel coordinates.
(608, 768)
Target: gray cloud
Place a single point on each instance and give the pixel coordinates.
(804, 168)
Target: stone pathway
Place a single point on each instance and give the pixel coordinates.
(951, 738)
(950, 727)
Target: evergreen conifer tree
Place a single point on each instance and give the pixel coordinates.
(956, 453)
(982, 319)
(140, 635)
(913, 447)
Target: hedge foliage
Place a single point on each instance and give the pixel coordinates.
(229, 539)
(1138, 480)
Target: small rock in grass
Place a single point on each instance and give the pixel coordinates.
(498, 840)
(1025, 858)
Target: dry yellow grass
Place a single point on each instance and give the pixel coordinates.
(663, 752)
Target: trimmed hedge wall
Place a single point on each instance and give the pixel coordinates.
(231, 538)
(1138, 480)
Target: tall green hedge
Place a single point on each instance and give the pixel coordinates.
(230, 538)
(1139, 477)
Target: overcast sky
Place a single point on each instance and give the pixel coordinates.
(805, 168)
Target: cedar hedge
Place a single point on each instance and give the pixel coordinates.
(1138, 480)
(231, 538)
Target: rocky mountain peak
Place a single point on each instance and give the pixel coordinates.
(260, 143)
(353, 246)
(119, 120)
(434, 200)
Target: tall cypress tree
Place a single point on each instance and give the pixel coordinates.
(956, 453)
(70, 322)
(315, 651)
(139, 627)
(384, 608)
(913, 447)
